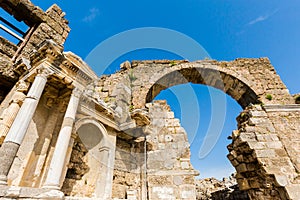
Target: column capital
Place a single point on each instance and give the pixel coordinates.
(22, 86)
(44, 72)
(77, 92)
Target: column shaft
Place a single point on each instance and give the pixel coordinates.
(20, 125)
(9, 115)
(61, 147)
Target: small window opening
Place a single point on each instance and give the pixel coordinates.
(11, 29)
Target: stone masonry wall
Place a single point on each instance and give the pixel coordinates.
(260, 157)
(7, 76)
(246, 80)
(170, 174)
(77, 167)
(41, 26)
(127, 169)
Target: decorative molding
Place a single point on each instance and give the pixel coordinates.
(22, 86)
(77, 92)
(44, 72)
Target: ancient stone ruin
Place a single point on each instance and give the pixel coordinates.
(68, 134)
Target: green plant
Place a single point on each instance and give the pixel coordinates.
(131, 76)
(269, 97)
(172, 63)
(131, 108)
(106, 99)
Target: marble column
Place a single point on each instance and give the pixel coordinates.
(21, 123)
(12, 110)
(60, 152)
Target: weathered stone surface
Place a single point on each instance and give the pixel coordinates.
(144, 151)
(211, 188)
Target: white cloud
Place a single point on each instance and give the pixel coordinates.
(93, 13)
(262, 18)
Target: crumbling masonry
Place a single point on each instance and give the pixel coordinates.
(66, 133)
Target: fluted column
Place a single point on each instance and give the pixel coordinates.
(12, 110)
(61, 147)
(21, 123)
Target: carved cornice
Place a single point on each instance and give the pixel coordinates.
(47, 50)
(52, 53)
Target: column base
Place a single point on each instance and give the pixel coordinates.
(8, 152)
(51, 187)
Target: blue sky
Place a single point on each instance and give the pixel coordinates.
(226, 29)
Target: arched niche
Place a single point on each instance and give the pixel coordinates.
(89, 173)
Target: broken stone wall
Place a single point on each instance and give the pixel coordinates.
(264, 161)
(42, 26)
(213, 189)
(7, 76)
(126, 169)
(170, 174)
(77, 167)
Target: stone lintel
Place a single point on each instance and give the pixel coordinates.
(101, 116)
(282, 108)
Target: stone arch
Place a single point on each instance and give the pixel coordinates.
(86, 121)
(93, 149)
(228, 81)
(236, 84)
(250, 82)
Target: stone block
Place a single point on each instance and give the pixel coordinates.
(177, 180)
(257, 145)
(266, 153)
(254, 183)
(293, 191)
(242, 168)
(243, 184)
(13, 192)
(274, 145)
(245, 137)
(170, 115)
(162, 192)
(168, 138)
(185, 165)
(161, 146)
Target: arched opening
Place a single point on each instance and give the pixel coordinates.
(88, 173)
(195, 114)
(213, 131)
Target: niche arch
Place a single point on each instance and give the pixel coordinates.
(89, 173)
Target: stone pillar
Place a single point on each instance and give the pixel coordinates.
(12, 110)
(104, 183)
(59, 156)
(100, 189)
(20, 125)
